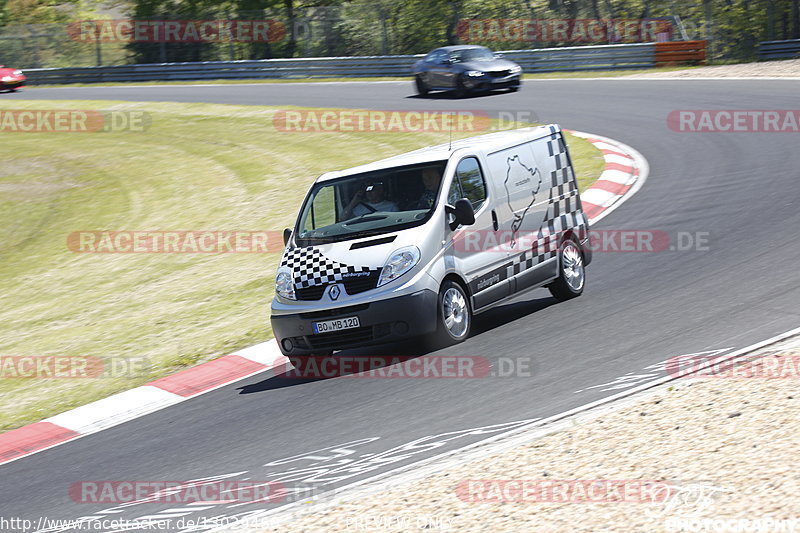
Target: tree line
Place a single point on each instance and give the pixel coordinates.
(313, 28)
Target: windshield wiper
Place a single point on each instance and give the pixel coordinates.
(362, 219)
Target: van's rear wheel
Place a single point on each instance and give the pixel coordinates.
(571, 273)
(455, 314)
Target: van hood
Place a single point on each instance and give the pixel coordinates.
(339, 261)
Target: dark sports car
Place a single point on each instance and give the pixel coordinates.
(11, 79)
(465, 69)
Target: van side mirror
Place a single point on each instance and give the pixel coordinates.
(463, 213)
(287, 234)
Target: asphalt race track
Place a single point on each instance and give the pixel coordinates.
(638, 309)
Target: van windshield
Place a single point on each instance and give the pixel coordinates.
(371, 203)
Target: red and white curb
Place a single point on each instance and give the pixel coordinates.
(624, 173)
(140, 401)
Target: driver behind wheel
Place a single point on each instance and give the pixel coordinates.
(369, 199)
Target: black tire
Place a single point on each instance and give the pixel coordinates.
(422, 89)
(461, 90)
(453, 323)
(571, 272)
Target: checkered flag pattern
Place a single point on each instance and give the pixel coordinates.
(311, 268)
(556, 149)
(564, 211)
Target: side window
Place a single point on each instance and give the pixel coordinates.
(473, 186)
(437, 56)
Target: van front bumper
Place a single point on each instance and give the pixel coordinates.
(380, 322)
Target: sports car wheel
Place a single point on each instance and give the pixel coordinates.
(422, 89)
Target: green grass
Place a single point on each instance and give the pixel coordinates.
(198, 167)
(543, 75)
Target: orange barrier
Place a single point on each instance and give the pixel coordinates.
(674, 53)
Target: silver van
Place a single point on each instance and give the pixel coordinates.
(417, 244)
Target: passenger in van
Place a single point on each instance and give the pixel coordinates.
(369, 199)
(431, 179)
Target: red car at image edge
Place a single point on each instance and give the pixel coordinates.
(11, 79)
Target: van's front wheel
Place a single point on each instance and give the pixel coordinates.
(571, 276)
(455, 313)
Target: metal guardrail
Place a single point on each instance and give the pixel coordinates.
(604, 57)
(327, 67)
(779, 49)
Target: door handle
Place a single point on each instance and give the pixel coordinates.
(494, 221)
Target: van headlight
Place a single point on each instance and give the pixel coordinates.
(284, 284)
(400, 262)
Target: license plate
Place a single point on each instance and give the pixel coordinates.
(336, 325)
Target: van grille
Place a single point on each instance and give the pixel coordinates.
(311, 293)
(334, 312)
(362, 283)
(352, 285)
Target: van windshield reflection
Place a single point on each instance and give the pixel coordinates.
(371, 203)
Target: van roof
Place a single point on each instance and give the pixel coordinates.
(484, 144)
